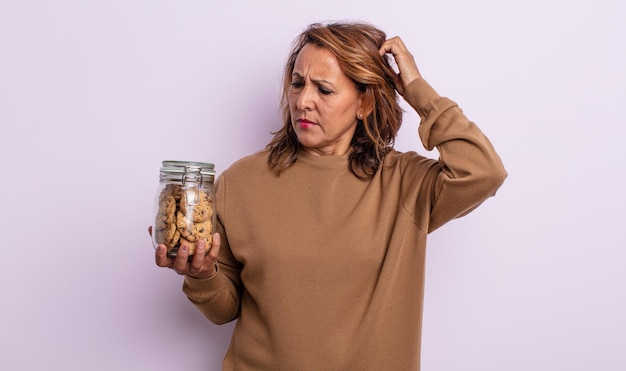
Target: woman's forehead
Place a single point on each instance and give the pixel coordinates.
(317, 63)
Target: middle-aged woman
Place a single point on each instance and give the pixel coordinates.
(320, 244)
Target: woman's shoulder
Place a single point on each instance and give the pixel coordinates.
(249, 164)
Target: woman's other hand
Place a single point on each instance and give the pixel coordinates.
(407, 68)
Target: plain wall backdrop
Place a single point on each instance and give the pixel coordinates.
(95, 94)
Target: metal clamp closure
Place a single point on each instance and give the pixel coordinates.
(192, 181)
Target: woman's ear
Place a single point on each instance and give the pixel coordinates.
(366, 107)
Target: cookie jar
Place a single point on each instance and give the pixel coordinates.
(184, 205)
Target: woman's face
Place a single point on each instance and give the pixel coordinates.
(323, 101)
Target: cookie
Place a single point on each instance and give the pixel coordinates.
(167, 212)
(168, 236)
(173, 190)
(191, 231)
(196, 205)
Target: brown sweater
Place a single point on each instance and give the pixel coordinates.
(325, 271)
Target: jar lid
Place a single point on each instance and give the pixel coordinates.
(177, 170)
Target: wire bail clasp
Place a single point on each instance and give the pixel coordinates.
(192, 181)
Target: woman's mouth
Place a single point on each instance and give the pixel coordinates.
(305, 124)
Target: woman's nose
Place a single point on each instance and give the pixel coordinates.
(305, 100)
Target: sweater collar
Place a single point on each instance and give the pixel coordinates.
(329, 162)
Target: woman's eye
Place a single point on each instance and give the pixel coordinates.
(324, 91)
(296, 84)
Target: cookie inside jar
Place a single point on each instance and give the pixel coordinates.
(184, 212)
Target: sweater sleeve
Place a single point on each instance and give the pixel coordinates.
(469, 170)
(218, 297)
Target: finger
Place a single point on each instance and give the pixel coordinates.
(386, 47)
(401, 54)
(394, 45)
(198, 259)
(181, 263)
(161, 257)
(215, 247)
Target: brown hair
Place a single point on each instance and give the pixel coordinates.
(356, 47)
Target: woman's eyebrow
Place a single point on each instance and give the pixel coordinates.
(317, 81)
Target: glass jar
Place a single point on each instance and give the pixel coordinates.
(184, 206)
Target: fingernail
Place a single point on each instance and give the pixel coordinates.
(184, 248)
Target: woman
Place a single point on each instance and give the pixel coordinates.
(321, 238)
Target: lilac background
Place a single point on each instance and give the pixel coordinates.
(94, 94)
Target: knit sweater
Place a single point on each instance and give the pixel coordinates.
(325, 271)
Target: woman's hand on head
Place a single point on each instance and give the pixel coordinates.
(201, 265)
(407, 68)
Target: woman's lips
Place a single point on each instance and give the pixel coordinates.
(305, 124)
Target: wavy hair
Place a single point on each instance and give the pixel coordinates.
(356, 47)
